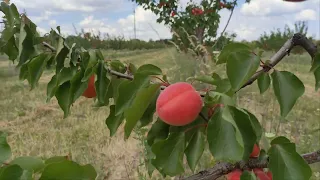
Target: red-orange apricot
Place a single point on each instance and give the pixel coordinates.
(262, 175)
(234, 175)
(179, 104)
(90, 92)
(269, 174)
(255, 151)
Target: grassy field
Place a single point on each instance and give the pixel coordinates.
(37, 128)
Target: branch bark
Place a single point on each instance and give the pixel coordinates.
(297, 40)
(224, 168)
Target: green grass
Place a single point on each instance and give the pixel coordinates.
(37, 128)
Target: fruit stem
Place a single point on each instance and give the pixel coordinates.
(196, 126)
(164, 82)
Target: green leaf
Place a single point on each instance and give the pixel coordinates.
(11, 49)
(90, 66)
(77, 87)
(256, 125)
(27, 175)
(61, 54)
(243, 121)
(55, 159)
(285, 162)
(63, 97)
(229, 49)
(118, 66)
(12, 172)
(132, 68)
(213, 98)
(205, 79)
(248, 175)
(68, 170)
(315, 62)
(287, 88)
(241, 66)
(5, 150)
(147, 116)
(317, 78)
(102, 83)
(221, 136)
(113, 122)
(264, 82)
(223, 86)
(169, 154)
(149, 69)
(66, 74)
(36, 67)
(26, 44)
(115, 82)
(140, 104)
(195, 149)
(127, 92)
(158, 131)
(29, 163)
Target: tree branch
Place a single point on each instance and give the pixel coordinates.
(223, 168)
(297, 40)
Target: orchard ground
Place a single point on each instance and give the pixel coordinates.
(37, 128)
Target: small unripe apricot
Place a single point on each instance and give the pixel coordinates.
(255, 151)
(179, 104)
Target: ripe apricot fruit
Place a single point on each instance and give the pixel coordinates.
(255, 151)
(234, 175)
(90, 92)
(269, 174)
(179, 104)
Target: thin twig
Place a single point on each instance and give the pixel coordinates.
(225, 28)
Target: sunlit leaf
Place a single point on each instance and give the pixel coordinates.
(241, 65)
(36, 68)
(287, 88)
(221, 136)
(149, 69)
(229, 49)
(285, 162)
(195, 149)
(264, 82)
(127, 92)
(158, 131)
(68, 170)
(147, 116)
(102, 83)
(113, 122)
(169, 154)
(138, 107)
(63, 97)
(29, 163)
(244, 124)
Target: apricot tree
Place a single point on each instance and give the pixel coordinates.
(133, 95)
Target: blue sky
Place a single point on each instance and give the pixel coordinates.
(115, 17)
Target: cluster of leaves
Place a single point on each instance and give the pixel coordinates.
(203, 24)
(229, 131)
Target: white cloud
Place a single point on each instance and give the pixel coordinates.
(73, 5)
(53, 23)
(273, 7)
(307, 14)
(43, 17)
